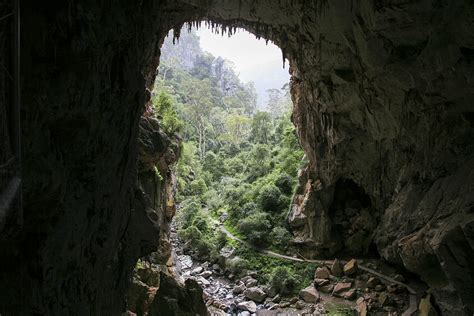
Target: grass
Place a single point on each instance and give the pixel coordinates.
(264, 265)
(339, 310)
(233, 230)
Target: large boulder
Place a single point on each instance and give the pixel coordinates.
(255, 294)
(173, 299)
(249, 306)
(310, 295)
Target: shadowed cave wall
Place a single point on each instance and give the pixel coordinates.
(382, 94)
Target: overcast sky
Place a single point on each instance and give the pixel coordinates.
(254, 60)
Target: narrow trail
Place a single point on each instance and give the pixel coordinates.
(412, 308)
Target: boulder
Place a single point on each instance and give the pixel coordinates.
(350, 267)
(238, 289)
(362, 306)
(310, 295)
(341, 287)
(251, 282)
(175, 299)
(249, 306)
(336, 268)
(349, 295)
(299, 305)
(206, 274)
(196, 270)
(321, 282)
(322, 273)
(326, 288)
(255, 294)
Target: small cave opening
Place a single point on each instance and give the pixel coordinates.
(354, 219)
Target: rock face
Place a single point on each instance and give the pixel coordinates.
(383, 108)
(177, 300)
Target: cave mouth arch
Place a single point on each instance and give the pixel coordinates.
(285, 182)
(80, 237)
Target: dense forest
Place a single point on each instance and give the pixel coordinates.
(238, 164)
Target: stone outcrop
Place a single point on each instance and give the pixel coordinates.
(174, 299)
(383, 108)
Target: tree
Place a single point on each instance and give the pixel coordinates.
(270, 198)
(279, 101)
(256, 228)
(166, 113)
(261, 127)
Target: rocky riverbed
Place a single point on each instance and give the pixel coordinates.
(339, 288)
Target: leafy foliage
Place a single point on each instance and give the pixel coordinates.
(237, 162)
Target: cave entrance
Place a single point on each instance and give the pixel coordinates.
(225, 100)
(228, 99)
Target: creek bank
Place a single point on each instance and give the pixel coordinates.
(345, 288)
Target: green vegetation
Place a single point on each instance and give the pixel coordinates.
(237, 163)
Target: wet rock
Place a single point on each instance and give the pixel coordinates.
(336, 268)
(197, 270)
(185, 262)
(310, 295)
(203, 281)
(284, 305)
(249, 306)
(293, 300)
(350, 267)
(255, 294)
(322, 273)
(341, 287)
(206, 274)
(238, 289)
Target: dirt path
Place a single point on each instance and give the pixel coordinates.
(412, 308)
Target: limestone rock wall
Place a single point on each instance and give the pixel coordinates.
(383, 106)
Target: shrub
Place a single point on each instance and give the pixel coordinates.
(283, 280)
(188, 211)
(198, 187)
(221, 240)
(270, 198)
(191, 234)
(237, 265)
(284, 183)
(256, 228)
(280, 236)
(201, 222)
